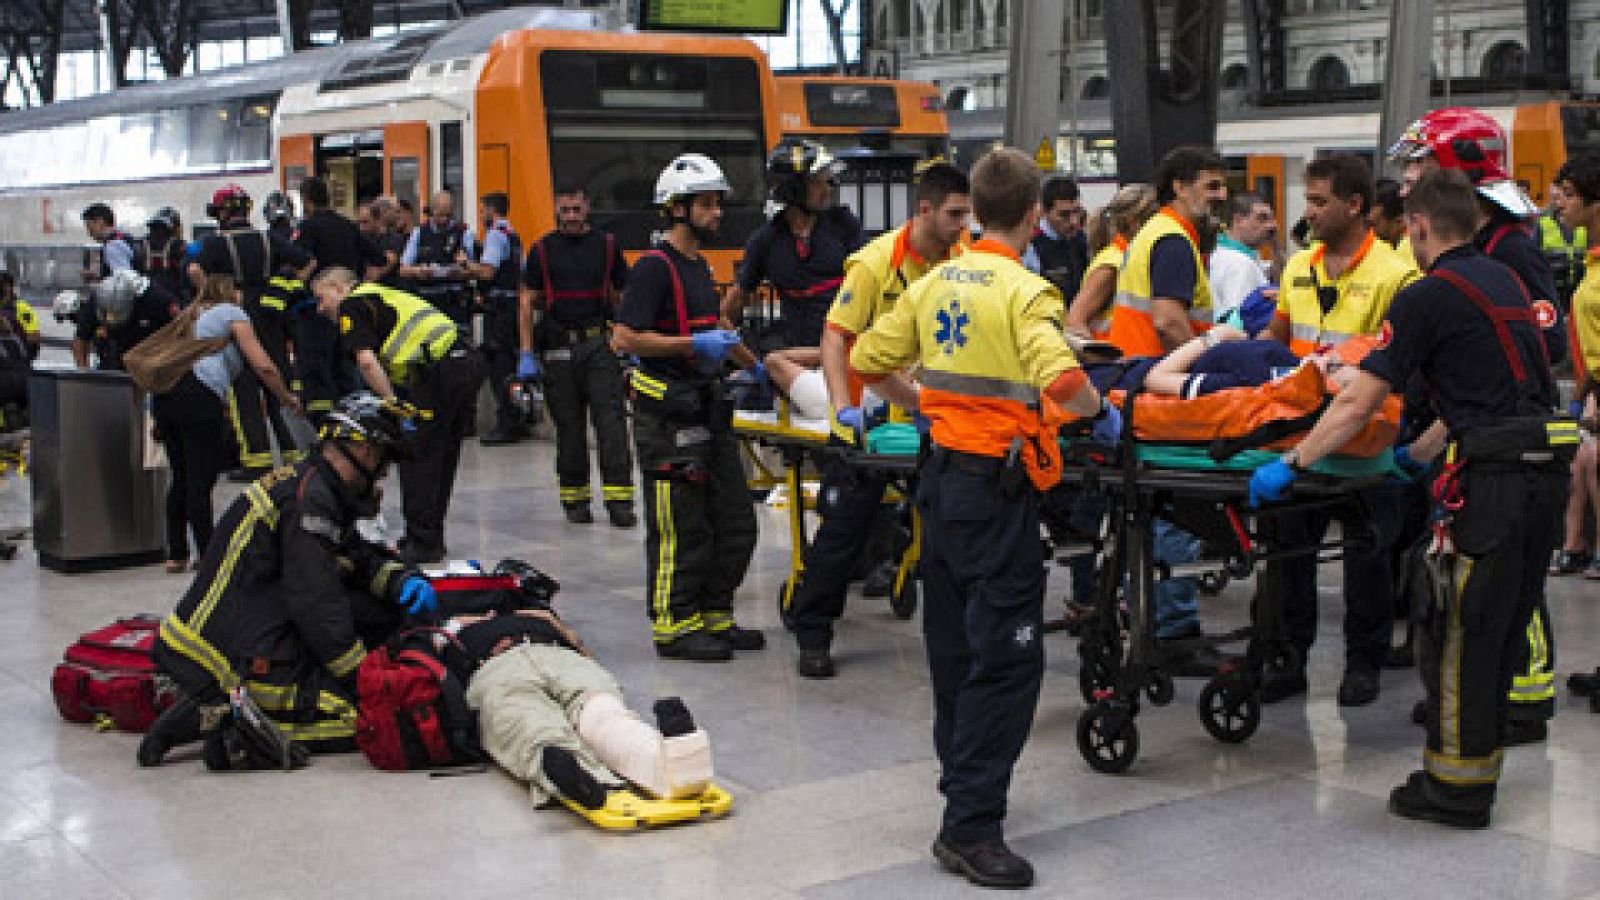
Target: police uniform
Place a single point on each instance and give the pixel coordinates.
(151, 310)
(1062, 261)
(805, 272)
(1322, 312)
(1565, 255)
(575, 276)
(850, 502)
(995, 367)
(1468, 330)
(1132, 324)
(1533, 692)
(433, 367)
(286, 601)
(433, 246)
(700, 524)
(254, 258)
(324, 372)
(502, 249)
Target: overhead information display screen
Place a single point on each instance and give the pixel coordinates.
(734, 16)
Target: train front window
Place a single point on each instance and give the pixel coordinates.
(616, 120)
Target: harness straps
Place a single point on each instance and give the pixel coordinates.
(1500, 316)
(1499, 235)
(238, 267)
(550, 292)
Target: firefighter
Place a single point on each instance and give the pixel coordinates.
(253, 258)
(400, 343)
(700, 524)
(1469, 329)
(163, 254)
(849, 502)
(1339, 289)
(801, 250)
(570, 287)
(123, 309)
(998, 379)
(288, 599)
(1474, 144)
(499, 270)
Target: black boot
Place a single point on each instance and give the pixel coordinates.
(578, 513)
(673, 718)
(696, 646)
(744, 639)
(1411, 801)
(178, 725)
(571, 780)
(1359, 687)
(621, 514)
(815, 662)
(985, 863)
(1584, 684)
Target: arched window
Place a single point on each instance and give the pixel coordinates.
(1096, 86)
(1504, 60)
(1328, 74)
(1235, 77)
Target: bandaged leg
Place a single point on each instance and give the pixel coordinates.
(672, 768)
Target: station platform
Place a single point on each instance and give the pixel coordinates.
(834, 782)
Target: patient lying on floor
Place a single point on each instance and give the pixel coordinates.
(553, 717)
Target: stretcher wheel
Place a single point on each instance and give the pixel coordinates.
(1230, 710)
(1108, 739)
(903, 603)
(1160, 689)
(786, 592)
(1212, 583)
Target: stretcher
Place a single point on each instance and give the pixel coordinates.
(1203, 490)
(802, 444)
(627, 810)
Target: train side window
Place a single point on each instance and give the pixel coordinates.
(452, 167)
(252, 139)
(210, 128)
(170, 149)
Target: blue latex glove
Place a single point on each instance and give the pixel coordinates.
(849, 424)
(759, 373)
(1270, 482)
(922, 423)
(527, 365)
(1404, 462)
(714, 344)
(1108, 428)
(417, 595)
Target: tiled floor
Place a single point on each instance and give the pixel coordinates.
(834, 781)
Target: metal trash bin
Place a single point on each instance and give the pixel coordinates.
(95, 505)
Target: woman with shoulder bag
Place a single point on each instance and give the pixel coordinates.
(192, 417)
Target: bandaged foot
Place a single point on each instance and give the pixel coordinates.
(667, 768)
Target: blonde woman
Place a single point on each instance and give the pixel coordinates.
(1109, 231)
(192, 419)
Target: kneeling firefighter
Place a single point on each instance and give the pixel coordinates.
(288, 598)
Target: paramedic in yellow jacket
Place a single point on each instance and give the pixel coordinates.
(1338, 289)
(850, 501)
(998, 379)
(1163, 297)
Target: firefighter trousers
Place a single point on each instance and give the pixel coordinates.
(983, 573)
(448, 390)
(1487, 576)
(700, 524)
(583, 382)
(322, 370)
(500, 346)
(253, 410)
(850, 504)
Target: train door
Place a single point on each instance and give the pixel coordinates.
(1265, 175)
(353, 164)
(406, 172)
(297, 155)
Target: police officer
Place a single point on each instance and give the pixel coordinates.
(1469, 329)
(1339, 289)
(123, 309)
(700, 525)
(334, 241)
(998, 380)
(801, 250)
(435, 261)
(1059, 250)
(875, 277)
(163, 254)
(1474, 144)
(254, 258)
(400, 343)
(1564, 245)
(570, 288)
(288, 599)
(499, 270)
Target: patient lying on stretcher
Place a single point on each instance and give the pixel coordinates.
(553, 717)
(1222, 359)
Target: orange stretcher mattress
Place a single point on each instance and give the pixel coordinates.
(1239, 413)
